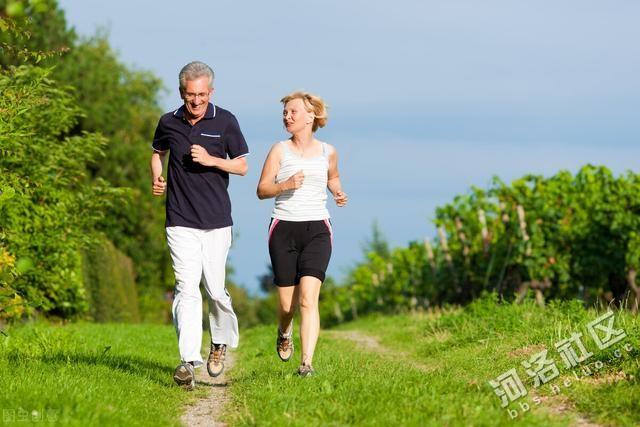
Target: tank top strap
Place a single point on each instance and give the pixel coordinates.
(324, 149)
(285, 147)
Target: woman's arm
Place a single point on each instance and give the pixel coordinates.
(333, 179)
(267, 186)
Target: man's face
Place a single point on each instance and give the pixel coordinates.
(196, 94)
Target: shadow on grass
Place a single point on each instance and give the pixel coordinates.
(156, 372)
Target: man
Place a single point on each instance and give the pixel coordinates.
(205, 145)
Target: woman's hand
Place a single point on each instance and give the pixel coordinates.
(294, 182)
(341, 198)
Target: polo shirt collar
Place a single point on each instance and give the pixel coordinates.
(209, 114)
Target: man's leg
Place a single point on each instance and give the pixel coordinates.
(186, 256)
(222, 319)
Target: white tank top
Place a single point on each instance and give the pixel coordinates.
(307, 203)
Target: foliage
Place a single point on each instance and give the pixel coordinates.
(12, 305)
(32, 32)
(565, 236)
(377, 243)
(252, 311)
(120, 104)
(110, 283)
(266, 280)
(49, 205)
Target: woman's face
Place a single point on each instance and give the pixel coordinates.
(295, 117)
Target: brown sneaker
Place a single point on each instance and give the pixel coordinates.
(284, 345)
(185, 376)
(306, 371)
(215, 363)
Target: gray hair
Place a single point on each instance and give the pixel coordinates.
(194, 70)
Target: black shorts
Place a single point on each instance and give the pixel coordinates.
(299, 249)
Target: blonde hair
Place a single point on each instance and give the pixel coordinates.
(313, 104)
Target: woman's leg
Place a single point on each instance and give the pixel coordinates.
(288, 296)
(309, 294)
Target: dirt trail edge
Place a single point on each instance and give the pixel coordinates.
(206, 411)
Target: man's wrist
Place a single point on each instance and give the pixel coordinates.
(214, 161)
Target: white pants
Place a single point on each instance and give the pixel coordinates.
(201, 254)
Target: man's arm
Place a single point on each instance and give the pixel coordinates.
(237, 166)
(158, 185)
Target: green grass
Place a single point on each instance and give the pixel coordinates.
(461, 350)
(354, 388)
(431, 369)
(482, 341)
(89, 374)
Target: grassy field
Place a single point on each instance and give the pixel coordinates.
(418, 369)
(89, 374)
(434, 369)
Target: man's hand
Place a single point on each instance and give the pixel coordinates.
(159, 186)
(200, 155)
(295, 181)
(341, 198)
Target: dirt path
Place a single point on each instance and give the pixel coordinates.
(207, 410)
(561, 406)
(371, 344)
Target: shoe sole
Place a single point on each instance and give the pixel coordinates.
(187, 382)
(283, 358)
(214, 374)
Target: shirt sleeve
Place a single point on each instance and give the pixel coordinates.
(234, 141)
(160, 138)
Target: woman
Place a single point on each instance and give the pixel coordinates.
(297, 173)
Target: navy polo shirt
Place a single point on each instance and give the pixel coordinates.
(197, 195)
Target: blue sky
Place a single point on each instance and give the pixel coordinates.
(426, 97)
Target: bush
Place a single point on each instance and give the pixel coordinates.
(110, 280)
(49, 207)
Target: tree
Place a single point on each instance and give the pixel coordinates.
(117, 102)
(377, 244)
(50, 207)
(266, 280)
